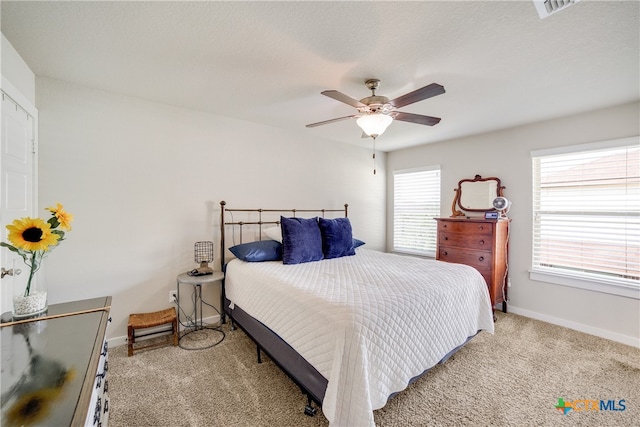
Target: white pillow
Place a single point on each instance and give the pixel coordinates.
(274, 233)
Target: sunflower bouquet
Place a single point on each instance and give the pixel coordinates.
(34, 238)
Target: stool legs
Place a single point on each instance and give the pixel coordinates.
(130, 340)
(176, 334)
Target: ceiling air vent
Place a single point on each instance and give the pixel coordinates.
(549, 7)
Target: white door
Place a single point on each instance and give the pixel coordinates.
(17, 171)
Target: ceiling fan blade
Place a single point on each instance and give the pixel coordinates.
(417, 118)
(429, 91)
(339, 96)
(312, 125)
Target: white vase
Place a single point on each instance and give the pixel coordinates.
(29, 303)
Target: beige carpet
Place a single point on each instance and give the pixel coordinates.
(514, 377)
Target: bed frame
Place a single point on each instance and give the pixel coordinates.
(310, 381)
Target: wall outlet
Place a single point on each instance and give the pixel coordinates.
(173, 296)
(508, 283)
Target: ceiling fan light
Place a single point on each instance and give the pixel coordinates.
(374, 124)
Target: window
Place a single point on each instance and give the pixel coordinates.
(586, 216)
(416, 202)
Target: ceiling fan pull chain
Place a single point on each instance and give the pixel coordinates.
(374, 155)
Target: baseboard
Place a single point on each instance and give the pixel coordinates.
(602, 333)
(122, 340)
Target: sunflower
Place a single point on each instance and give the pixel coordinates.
(63, 218)
(31, 234)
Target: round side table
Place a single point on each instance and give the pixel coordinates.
(197, 323)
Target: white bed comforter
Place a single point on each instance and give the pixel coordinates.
(368, 323)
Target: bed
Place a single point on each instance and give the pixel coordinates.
(350, 330)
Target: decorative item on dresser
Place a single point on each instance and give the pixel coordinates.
(478, 197)
(481, 242)
(33, 239)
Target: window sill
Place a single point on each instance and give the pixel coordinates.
(628, 291)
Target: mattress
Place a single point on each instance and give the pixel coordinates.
(368, 323)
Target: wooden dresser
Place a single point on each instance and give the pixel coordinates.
(480, 243)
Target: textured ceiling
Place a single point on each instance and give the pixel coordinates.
(267, 62)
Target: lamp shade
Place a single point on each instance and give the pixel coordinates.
(203, 252)
(374, 124)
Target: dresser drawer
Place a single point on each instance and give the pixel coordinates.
(481, 260)
(463, 227)
(475, 241)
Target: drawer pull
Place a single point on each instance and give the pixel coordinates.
(446, 238)
(482, 242)
(446, 253)
(98, 410)
(481, 258)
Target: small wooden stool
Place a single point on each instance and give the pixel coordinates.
(149, 320)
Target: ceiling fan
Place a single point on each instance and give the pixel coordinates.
(375, 113)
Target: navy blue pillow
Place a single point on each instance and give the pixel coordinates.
(301, 240)
(337, 239)
(357, 243)
(264, 250)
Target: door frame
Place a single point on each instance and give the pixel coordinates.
(8, 90)
(23, 102)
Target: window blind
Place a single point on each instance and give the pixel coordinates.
(416, 201)
(586, 219)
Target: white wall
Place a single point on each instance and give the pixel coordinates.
(506, 154)
(16, 71)
(144, 181)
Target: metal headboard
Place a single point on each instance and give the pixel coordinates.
(259, 222)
